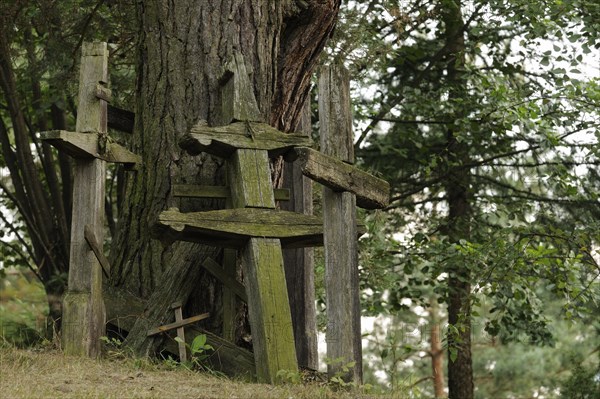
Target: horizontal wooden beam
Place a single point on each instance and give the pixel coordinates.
(86, 145)
(231, 228)
(371, 192)
(222, 141)
(224, 192)
(120, 119)
(229, 281)
(177, 324)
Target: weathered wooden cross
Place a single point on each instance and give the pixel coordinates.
(84, 317)
(253, 226)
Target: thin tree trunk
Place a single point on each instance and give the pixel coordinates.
(460, 369)
(437, 352)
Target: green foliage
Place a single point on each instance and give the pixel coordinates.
(199, 352)
(582, 384)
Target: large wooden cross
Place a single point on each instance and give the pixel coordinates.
(253, 226)
(83, 321)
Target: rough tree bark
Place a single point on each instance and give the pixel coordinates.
(182, 48)
(460, 370)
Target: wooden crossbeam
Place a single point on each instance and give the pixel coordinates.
(222, 192)
(371, 192)
(177, 324)
(86, 146)
(231, 228)
(222, 141)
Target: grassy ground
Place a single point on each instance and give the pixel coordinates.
(46, 373)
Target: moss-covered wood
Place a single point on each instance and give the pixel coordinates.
(225, 277)
(222, 141)
(371, 192)
(231, 228)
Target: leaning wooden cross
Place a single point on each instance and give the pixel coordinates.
(254, 226)
(83, 307)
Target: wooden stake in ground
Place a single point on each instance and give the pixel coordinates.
(339, 229)
(83, 308)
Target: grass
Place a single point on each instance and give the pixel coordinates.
(47, 373)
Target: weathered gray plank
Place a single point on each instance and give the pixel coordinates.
(180, 331)
(339, 225)
(84, 314)
(222, 141)
(371, 192)
(86, 146)
(177, 324)
(299, 262)
(231, 228)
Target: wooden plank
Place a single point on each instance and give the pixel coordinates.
(231, 228)
(83, 306)
(227, 279)
(90, 237)
(342, 292)
(177, 324)
(268, 307)
(222, 192)
(120, 119)
(222, 141)
(371, 192)
(249, 175)
(85, 146)
(299, 262)
(238, 103)
(231, 290)
(180, 332)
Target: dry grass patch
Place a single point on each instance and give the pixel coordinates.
(50, 374)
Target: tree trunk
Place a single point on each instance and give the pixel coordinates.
(460, 369)
(182, 48)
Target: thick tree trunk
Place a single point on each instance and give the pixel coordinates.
(460, 369)
(182, 48)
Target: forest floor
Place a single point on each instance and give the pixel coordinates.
(47, 373)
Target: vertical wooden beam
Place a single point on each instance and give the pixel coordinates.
(180, 332)
(299, 263)
(339, 226)
(84, 314)
(262, 262)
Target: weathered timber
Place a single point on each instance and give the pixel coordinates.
(124, 308)
(227, 279)
(102, 92)
(180, 332)
(231, 228)
(222, 192)
(249, 176)
(222, 141)
(84, 314)
(231, 290)
(268, 306)
(238, 103)
(90, 237)
(342, 292)
(299, 262)
(86, 146)
(177, 324)
(371, 192)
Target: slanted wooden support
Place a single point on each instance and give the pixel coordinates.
(84, 314)
(339, 225)
(226, 278)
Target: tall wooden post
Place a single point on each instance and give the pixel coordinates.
(339, 228)
(299, 262)
(83, 308)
